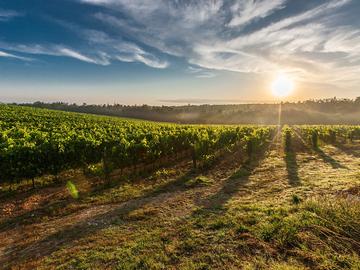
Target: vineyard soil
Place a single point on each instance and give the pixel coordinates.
(281, 210)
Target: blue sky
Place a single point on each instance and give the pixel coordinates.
(163, 51)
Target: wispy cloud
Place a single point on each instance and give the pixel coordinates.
(77, 55)
(276, 46)
(244, 12)
(53, 50)
(253, 36)
(200, 72)
(6, 15)
(208, 34)
(125, 51)
(103, 49)
(9, 55)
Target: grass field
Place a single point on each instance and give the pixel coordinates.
(298, 209)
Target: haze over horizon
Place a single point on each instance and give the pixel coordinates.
(164, 52)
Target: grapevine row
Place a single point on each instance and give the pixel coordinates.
(35, 142)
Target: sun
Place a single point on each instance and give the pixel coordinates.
(282, 86)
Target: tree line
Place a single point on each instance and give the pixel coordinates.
(321, 111)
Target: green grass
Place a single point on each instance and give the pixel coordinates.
(199, 181)
(317, 233)
(176, 218)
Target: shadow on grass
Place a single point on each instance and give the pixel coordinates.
(235, 182)
(32, 216)
(89, 226)
(347, 150)
(211, 211)
(98, 186)
(292, 168)
(57, 206)
(68, 235)
(328, 159)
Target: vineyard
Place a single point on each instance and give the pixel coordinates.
(129, 194)
(36, 142)
(312, 135)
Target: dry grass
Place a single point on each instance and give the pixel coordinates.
(234, 215)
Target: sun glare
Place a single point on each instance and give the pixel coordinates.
(282, 86)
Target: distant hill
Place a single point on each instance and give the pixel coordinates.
(324, 111)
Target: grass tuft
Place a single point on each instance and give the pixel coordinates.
(296, 199)
(199, 181)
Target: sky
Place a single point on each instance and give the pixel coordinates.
(177, 51)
